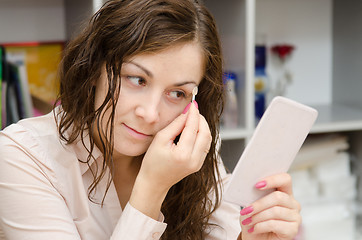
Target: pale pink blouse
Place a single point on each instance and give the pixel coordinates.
(44, 192)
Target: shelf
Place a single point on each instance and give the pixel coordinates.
(331, 118)
(233, 134)
(337, 118)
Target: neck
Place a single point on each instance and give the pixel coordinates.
(124, 176)
(125, 165)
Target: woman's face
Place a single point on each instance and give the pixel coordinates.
(155, 89)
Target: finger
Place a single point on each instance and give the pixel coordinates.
(275, 198)
(189, 133)
(274, 213)
(283, 229)
(171, 131)
(202, 142)
(281, 182)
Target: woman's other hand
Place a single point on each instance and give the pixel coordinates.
(275, 216)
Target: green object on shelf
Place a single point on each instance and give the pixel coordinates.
(1, 78)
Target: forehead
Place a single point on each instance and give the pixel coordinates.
(193, 49)
(185, 60)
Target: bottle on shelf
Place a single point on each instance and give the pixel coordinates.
(261, 78)
(260, 86)
(230, 115)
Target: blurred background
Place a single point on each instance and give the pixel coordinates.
(306, 50)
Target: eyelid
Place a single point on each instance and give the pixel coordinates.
(176, 89)
(129, 78)
(186, 94)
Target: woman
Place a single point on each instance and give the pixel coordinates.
(127, 155)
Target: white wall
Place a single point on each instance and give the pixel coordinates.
(307, 24)
(32, 20)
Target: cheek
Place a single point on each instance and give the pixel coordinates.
(124, 103)
(98, 98)
(170, 113)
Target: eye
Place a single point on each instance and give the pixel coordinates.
(177, 95)
(137, 81)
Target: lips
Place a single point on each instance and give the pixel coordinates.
(134, 133)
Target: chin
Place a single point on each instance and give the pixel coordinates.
(133, 151)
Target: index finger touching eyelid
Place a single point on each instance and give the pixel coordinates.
(190, 131)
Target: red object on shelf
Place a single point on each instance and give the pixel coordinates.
(283, 50)
(31, 44)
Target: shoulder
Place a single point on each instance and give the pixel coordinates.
(33, 146)
(31, 135)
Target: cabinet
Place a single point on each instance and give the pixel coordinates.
(236, 25)
(326, 64)
(327, 70)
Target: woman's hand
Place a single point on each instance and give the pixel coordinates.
(166, 163)
(275, 216)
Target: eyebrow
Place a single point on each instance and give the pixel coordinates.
(185, 83)
(148, 73)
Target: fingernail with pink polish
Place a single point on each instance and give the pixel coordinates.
(246, 221)
(246, 210)
(250, 230)
(260, 184)
(187, 108)
(197, 105)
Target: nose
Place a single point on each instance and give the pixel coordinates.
(149, 108)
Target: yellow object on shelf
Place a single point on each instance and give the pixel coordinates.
(259, 84)
(42, 61)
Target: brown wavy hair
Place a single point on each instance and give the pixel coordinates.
(124, 28)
